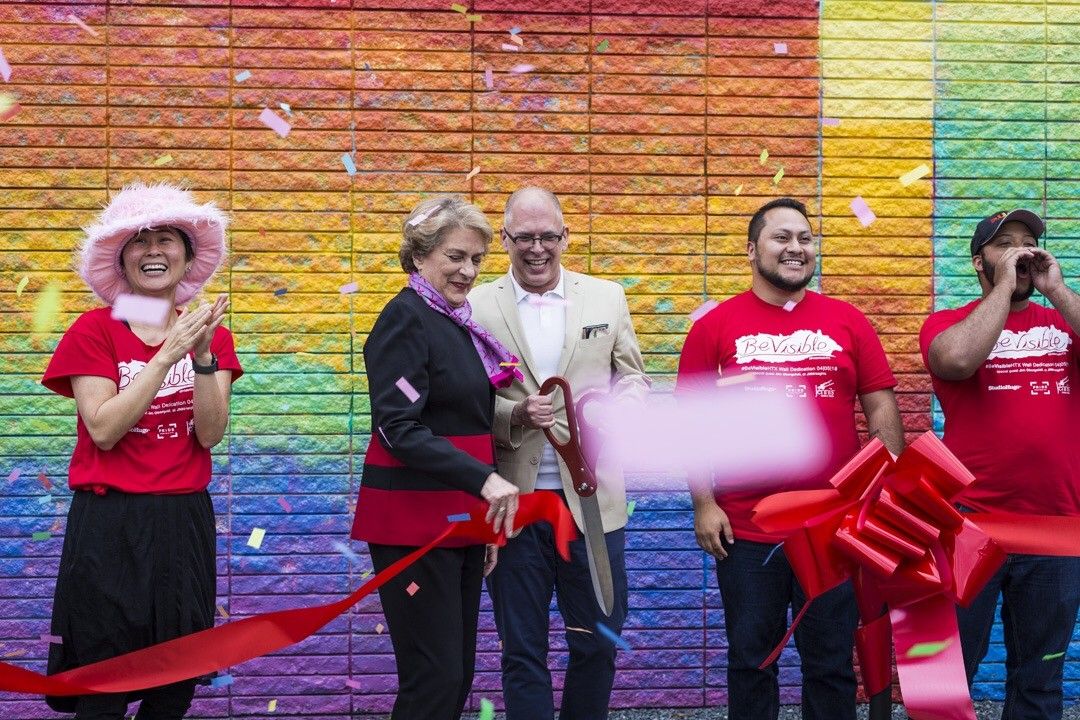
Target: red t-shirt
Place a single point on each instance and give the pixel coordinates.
(824, 352)
(161, 454)
(1013, 422)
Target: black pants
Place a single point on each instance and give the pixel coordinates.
(164, 703)
(434, 630)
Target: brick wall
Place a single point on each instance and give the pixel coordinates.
(648, 119)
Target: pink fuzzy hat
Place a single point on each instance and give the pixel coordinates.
(138, 207)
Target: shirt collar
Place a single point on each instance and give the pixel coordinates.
(521, 293)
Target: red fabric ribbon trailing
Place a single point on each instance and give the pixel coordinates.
(242, 640)
(891, 527)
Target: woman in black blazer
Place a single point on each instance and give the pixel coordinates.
(432, 374)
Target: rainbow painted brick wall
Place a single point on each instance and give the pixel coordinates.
(648, 118)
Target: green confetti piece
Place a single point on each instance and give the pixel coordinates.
(778, 176)
(763, 156)
(603, 46)
(630, 507)
(927, 649)
(487, 710)
(459, 8)
(22, 285)
(41, 536)
(1054, 656)
(46, 308)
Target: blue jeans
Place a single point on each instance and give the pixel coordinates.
(756, 597)
(1040, 597)
(528, 571)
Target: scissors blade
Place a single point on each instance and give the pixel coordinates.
(596, 549)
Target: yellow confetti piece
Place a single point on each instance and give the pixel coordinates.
(778, 176)
(474, 18)
(22, 285)
(271, 706)
(163, 160)
(473, 173)
(46, 308)
(459, 8)
(256, 539)
(222, 612)
(509, 364)
(914, 174)
(738, 189)
(517, 39)
(927, 649)
(763, 156)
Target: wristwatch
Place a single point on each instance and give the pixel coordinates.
(205, 369)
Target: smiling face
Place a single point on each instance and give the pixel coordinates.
(1012, 234)
(535, 239)
(453, 265)
(154, 262)
(785, 252)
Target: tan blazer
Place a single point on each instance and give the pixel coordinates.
(609, 359)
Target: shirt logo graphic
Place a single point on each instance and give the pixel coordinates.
(796, 391)
(800, 345)
(1035, 342)
(1063, 386)
(825, 390)
(180, 376)
(1040, 388)
(167, 431)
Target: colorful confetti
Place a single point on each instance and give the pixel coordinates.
(515, 30)
(489, 78)
(40, 536)
(778, 176)
(487, 710)
(280, 291)
(45, 482)
(460, 517)
(612, 636)
(702, 310)
(5, 68)
(10, 112)
(284, 504)
(510, 48)
(790, 305)
(163, 160)
(379, 628)
(242, 75)
(287, 109)
(914, 174)
(52, 639)
(222, 612)
(630, 508)
(412, 589)
(771, 553)
(22, 285)
(862, 211)
(473, 173)
(221, 681)
(354, 684)
(271, 706)
(46, 308)
(256, 538)
(350, 166)
(779, 48)
(474, 18)
(14, 475)
(603, 46)
(73, 19)
(927, 649)
(271, 120)
(830, 121)
(516, 39)
(346, 551)
(509, 364)
(141, 309)
(763, 156)
(407, 389)
(738, 189)
(1054, 656)
(348, 288)
(522, 69)
(459, 8)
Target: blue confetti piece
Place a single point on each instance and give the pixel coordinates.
(346, 551)
(350, 166)
(242, 75)
(460, 517)
(610, 635)
(45, 499)
(280, 291)
(771, 553)
(515, 30)
(221, 681)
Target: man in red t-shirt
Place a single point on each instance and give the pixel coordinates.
(811, 349)
(1004, 370)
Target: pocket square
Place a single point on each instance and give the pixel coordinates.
(591, 331)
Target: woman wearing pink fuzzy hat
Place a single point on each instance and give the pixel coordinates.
(151, 386)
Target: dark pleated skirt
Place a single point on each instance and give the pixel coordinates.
(135, 570)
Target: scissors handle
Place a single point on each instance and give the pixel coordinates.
(570, 451)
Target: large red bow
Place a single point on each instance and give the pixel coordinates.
(890, 527)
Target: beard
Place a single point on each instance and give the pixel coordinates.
(1018, 295)
(774, 278)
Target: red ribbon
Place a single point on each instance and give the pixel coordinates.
(242, 640)
(891, 527)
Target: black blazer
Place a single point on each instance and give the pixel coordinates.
(427, 459)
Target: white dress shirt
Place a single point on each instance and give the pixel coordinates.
(544, 324)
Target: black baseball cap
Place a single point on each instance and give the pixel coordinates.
(988, 227)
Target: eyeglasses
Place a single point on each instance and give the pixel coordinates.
(547, 240)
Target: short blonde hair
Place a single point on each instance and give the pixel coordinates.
(426, 226)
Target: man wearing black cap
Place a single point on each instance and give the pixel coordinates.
(1004, 370)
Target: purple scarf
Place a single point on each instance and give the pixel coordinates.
(492, 353)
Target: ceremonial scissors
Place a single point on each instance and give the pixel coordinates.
(580, 453)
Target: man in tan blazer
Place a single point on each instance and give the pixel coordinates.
(559, 323)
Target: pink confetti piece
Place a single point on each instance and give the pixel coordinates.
(412, 589)
(52, 639)
(473, 173)
(405, 387)
(510, 48)
(354, 684)
(780, 48)
(423, 216)
(830, 121)
(270, 119)
(73, 19)
(348, 288)
(489, 79)
(516, 40)
(862, 211)
(10, 112)
(522, 69)
(284, 504)
(141, 309)
(14, 475)
(702, 310)
(44, 480)
(5, 69)
(790, 305)
(379, 628)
